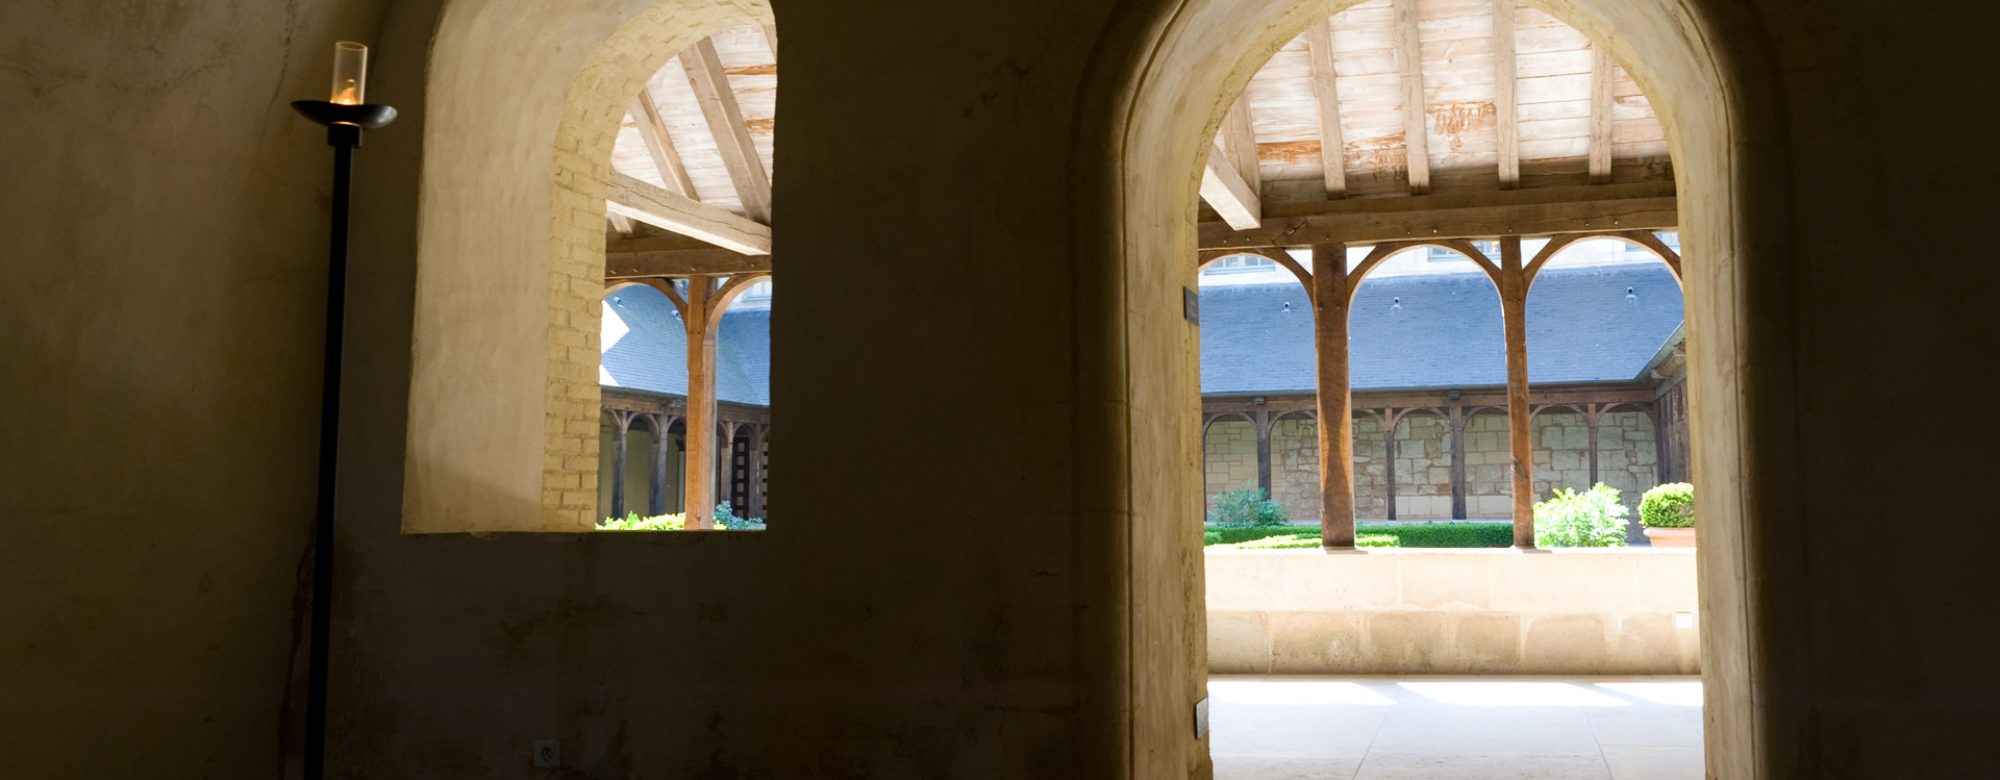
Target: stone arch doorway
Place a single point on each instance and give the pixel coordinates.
(1190, 59)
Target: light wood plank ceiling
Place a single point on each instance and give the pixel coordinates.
(1510, 98)
(1561, 116)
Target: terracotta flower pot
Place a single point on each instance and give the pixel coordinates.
(1671, 537)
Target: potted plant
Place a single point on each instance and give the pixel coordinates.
(1667, 512)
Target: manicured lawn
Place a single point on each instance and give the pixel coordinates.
(1366, 535)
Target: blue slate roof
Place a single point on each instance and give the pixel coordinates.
(645, 348)
(1448, 334)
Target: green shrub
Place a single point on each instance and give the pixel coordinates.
(1248, 506)
(725, 520)
(1419, 535)
(1668, 506)
(633, 522)
(1593, 518)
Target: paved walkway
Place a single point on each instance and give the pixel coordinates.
(1273, 728)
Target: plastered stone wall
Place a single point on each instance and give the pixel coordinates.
(165, 217)
(1452, 612)
(1423, 467)
(1371, 472)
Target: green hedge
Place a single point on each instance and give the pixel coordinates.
(1431, 535)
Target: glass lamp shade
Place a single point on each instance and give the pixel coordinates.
(350, 73)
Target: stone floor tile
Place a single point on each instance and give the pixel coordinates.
(1282, 768)
(1640, 762)
(1382, 765)
(1643, 727)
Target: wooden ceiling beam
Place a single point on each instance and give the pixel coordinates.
(622, 264)
(660, 146)
(1416, 125)
(1332, 142)
(1506, 117)
(645, 202)
(725, 121)
(1524, 212)
(1601, 82)
(1239, 142)
(1227, 192)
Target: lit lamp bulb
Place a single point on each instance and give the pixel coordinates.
(350, 73)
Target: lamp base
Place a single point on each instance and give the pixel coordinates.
(367, 116)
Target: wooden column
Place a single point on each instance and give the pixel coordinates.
(1263, 424)
(1330, 296)
(725, 462)
(620, 421)
(698, 484)
(1457, 418)
(656, 483)
(1513, 282)
(1389, 421)
(754, 474)
(1590, 418)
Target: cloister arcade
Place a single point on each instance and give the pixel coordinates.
(1463, 450)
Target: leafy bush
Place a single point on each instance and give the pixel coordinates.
(1668, 506)
(725, 520)
(1420, 535)
(1248, 507)
(1593, 518)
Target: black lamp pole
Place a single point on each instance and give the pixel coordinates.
(344, 124)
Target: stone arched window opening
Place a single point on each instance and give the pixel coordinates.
(512, 258)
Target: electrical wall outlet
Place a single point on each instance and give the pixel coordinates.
(548, 754)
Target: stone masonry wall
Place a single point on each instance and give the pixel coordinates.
(1627, 460)
(1231, 459)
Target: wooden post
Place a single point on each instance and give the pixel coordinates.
(1389, 421)
(1513, 283)
(1457, 419)
(656, 483)
(620, 421)
(1330, 297)
(1264, 452)
(698, 484)
(753, 505)
(1590, 419)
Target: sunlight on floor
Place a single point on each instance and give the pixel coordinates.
(1272, 728)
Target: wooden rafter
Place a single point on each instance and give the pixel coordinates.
(1332, 146)
(640, 258)
(1601, 82)
(1228, 194)
(660, 146)
(1239, 142)
(1506, 117)
(648, 203)
(725, 122)
(1532, 212)
(1416, 127)
(620, 223)
(771, 37)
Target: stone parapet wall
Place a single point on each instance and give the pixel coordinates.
(1453, 612)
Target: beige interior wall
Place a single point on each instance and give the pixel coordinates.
(164, 245)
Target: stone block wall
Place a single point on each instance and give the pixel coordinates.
(1627, 460)
(1295, 466)
(1453, 612)
(1230, 460)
